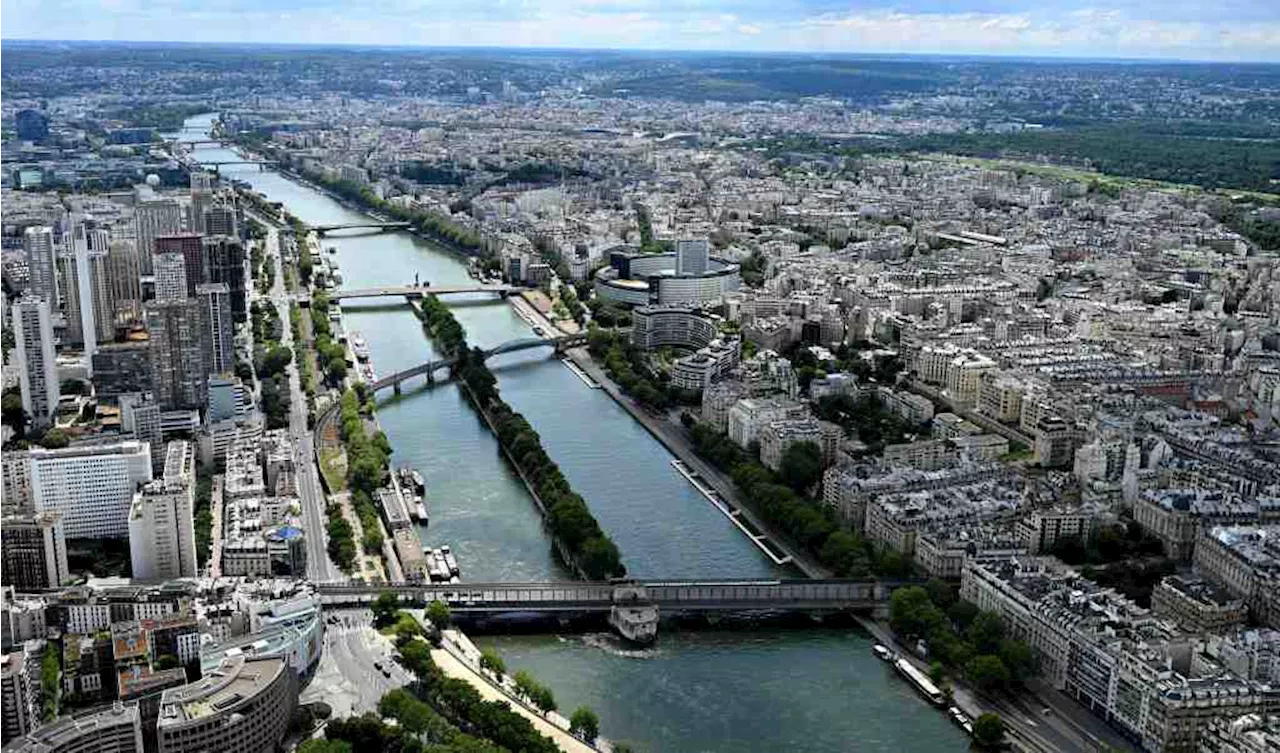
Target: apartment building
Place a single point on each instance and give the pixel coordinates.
(162, 542)
(244, 705)
(90, 487)
(1197, 606)
(1245, 561)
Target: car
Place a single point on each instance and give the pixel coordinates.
(386, 674)
(377, 665)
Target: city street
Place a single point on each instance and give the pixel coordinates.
(310, 493)
(351, 678)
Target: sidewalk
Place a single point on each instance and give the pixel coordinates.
(449, 661)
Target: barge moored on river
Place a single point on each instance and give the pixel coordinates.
(415, 490)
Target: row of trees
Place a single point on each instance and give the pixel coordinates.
(330, 355)
(809, 524)
(961, 638)
(204, 517)
(366, 466)
(584, 543)
(626, 366)
(271, 360)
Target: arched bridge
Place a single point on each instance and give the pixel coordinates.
(418, 291)
(429, 368)
(672, 596)
(322, 229)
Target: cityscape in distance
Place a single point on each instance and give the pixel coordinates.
(632, 376)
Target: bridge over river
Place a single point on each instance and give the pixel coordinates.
(429, 368)
(418, 291)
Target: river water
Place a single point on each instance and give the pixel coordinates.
(766, 689)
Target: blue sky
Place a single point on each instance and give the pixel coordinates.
(1184, 29)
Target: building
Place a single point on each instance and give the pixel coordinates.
(910, 407)
(220, 218)
(170, 274)
(86, 289)
(675, 326)
(1056, 442)
(776, 437)
(1175, 516)
(717, 399)
(42, 265)
(698, 370)
(1197, 606)
(18, 713)
(927, 455)
(91, 487)
(187, 246)
(124, 274)
(245, 705)
(1245, 561)
(217, 325)
(692, 257)
(141, 419)
(16, 471)
(749, 415)
(1000, 397)
(1043, 528)
(1247, 733)
(114, 730)
(36, 359)
(162, 540)
(120, 368)
(640, 279)
(155, 218)
(35, 551)
(224, 262)
(178, 372)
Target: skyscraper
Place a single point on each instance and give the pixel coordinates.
(177, 353)
(155, 218)
(202, 183)
(124, 271)
(42, 264)
(224, 261)
(187, 244)
(218, 331)
(691, 257)
(220, 217)
(162, 540)
(170, 277)
(140, 418)
(87, 300)
(34, 551)
(37, 367)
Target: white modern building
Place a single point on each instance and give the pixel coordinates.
(92, 487)
(162, 541)
(37, 359)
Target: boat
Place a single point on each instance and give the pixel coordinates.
(961, 719)
(359, 347)
(419, 486)
(918, 679)
(882, 652)
(633, 616)
(449, 561)
(415, 490)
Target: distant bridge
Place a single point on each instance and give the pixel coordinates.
(669, 596)
(429, 368)
(262, 164)
(418, 291)
(198, 142)
(322, 229)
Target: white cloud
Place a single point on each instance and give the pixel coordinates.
(749, 29)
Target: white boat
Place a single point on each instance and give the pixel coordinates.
(918, 678)
(449, 561)
(359, 347)
(633, 615)
(882, 652)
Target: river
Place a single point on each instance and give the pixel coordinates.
(714, 691)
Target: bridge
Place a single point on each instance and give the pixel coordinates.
(198, 142)
(429, 368)
(418, 291)
(261, 164)
(586, 597)
(322, 229)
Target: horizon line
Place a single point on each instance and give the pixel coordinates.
(1037, 57)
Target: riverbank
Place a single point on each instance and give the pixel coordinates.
(677, 445)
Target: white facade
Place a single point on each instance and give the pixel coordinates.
(37, 359)
(91, 487)
(162, 542)
(42, 266)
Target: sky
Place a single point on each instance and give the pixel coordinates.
(1230, 30)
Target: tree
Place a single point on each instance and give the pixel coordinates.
(319, 745)
(54, 439)
(384, 609)
(801, 465)
(987, 672)
(988, 731)
(438, 614)
(489, 660)
(12, 413)
(584, 723)
(166, 661)
(985, 632)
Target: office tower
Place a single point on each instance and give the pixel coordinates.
(119, 368)
(86, 289)
(170, 277)
(125, 272)
(187, 244)
(91, 487)
(140, 418)
(162, 538)
(202, 183)
(220, 217)
(16, 470)
(17, 692)
(249, 701)
(224, 261)
(218, 330)
(154, 219)
(691, 257)
(177, 353)
(37, 364)
(42, 265)
(34, 551)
